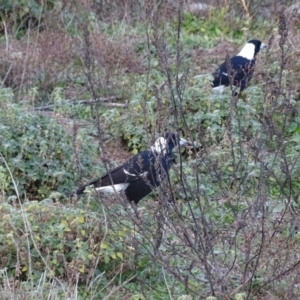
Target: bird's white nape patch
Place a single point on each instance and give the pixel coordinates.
(160, 145)
(111, 189)
(219, 89)
(248, 51)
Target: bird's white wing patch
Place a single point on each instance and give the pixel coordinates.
(248, 51)
(225, 74)
(160, 145)
(219, 89)
(129, 174)
(111, 189)
(134, 175)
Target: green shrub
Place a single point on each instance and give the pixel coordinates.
(40, 153)
(64, 241)
(22, 15)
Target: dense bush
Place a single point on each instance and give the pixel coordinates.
(40, 154)
(62, 241)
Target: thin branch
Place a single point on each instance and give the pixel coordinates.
(246, 8)
(89, 102)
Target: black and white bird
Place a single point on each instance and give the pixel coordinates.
(145, 171)
(241, 68)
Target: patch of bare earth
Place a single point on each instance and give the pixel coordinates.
(115, 152)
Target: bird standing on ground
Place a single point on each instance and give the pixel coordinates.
(241, 68)
(145, 171)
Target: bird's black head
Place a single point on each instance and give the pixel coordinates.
(258, 45)
(172, 139)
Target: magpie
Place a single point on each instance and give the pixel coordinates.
(145, 171)
(241, 68)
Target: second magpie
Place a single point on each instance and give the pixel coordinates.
(241, 68)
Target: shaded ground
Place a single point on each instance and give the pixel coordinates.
(117, 153)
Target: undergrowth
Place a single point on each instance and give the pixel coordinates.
(75, 81)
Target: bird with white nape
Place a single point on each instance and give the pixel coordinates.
(142, 173)
(241, 68)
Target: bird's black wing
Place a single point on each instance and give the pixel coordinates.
(221, 76)
(133, 170)
(138, 190)
(157, 171)
(241, 70)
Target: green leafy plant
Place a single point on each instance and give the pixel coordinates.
(62, 242)
(24, 15)
(39, 153)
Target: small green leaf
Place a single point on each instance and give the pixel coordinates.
(80, 219)
(104, 246)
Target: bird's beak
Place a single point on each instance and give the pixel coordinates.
(262, 46)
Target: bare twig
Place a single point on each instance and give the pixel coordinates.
(89, 102)
(246, 8)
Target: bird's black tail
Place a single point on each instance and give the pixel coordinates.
(81, 189)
